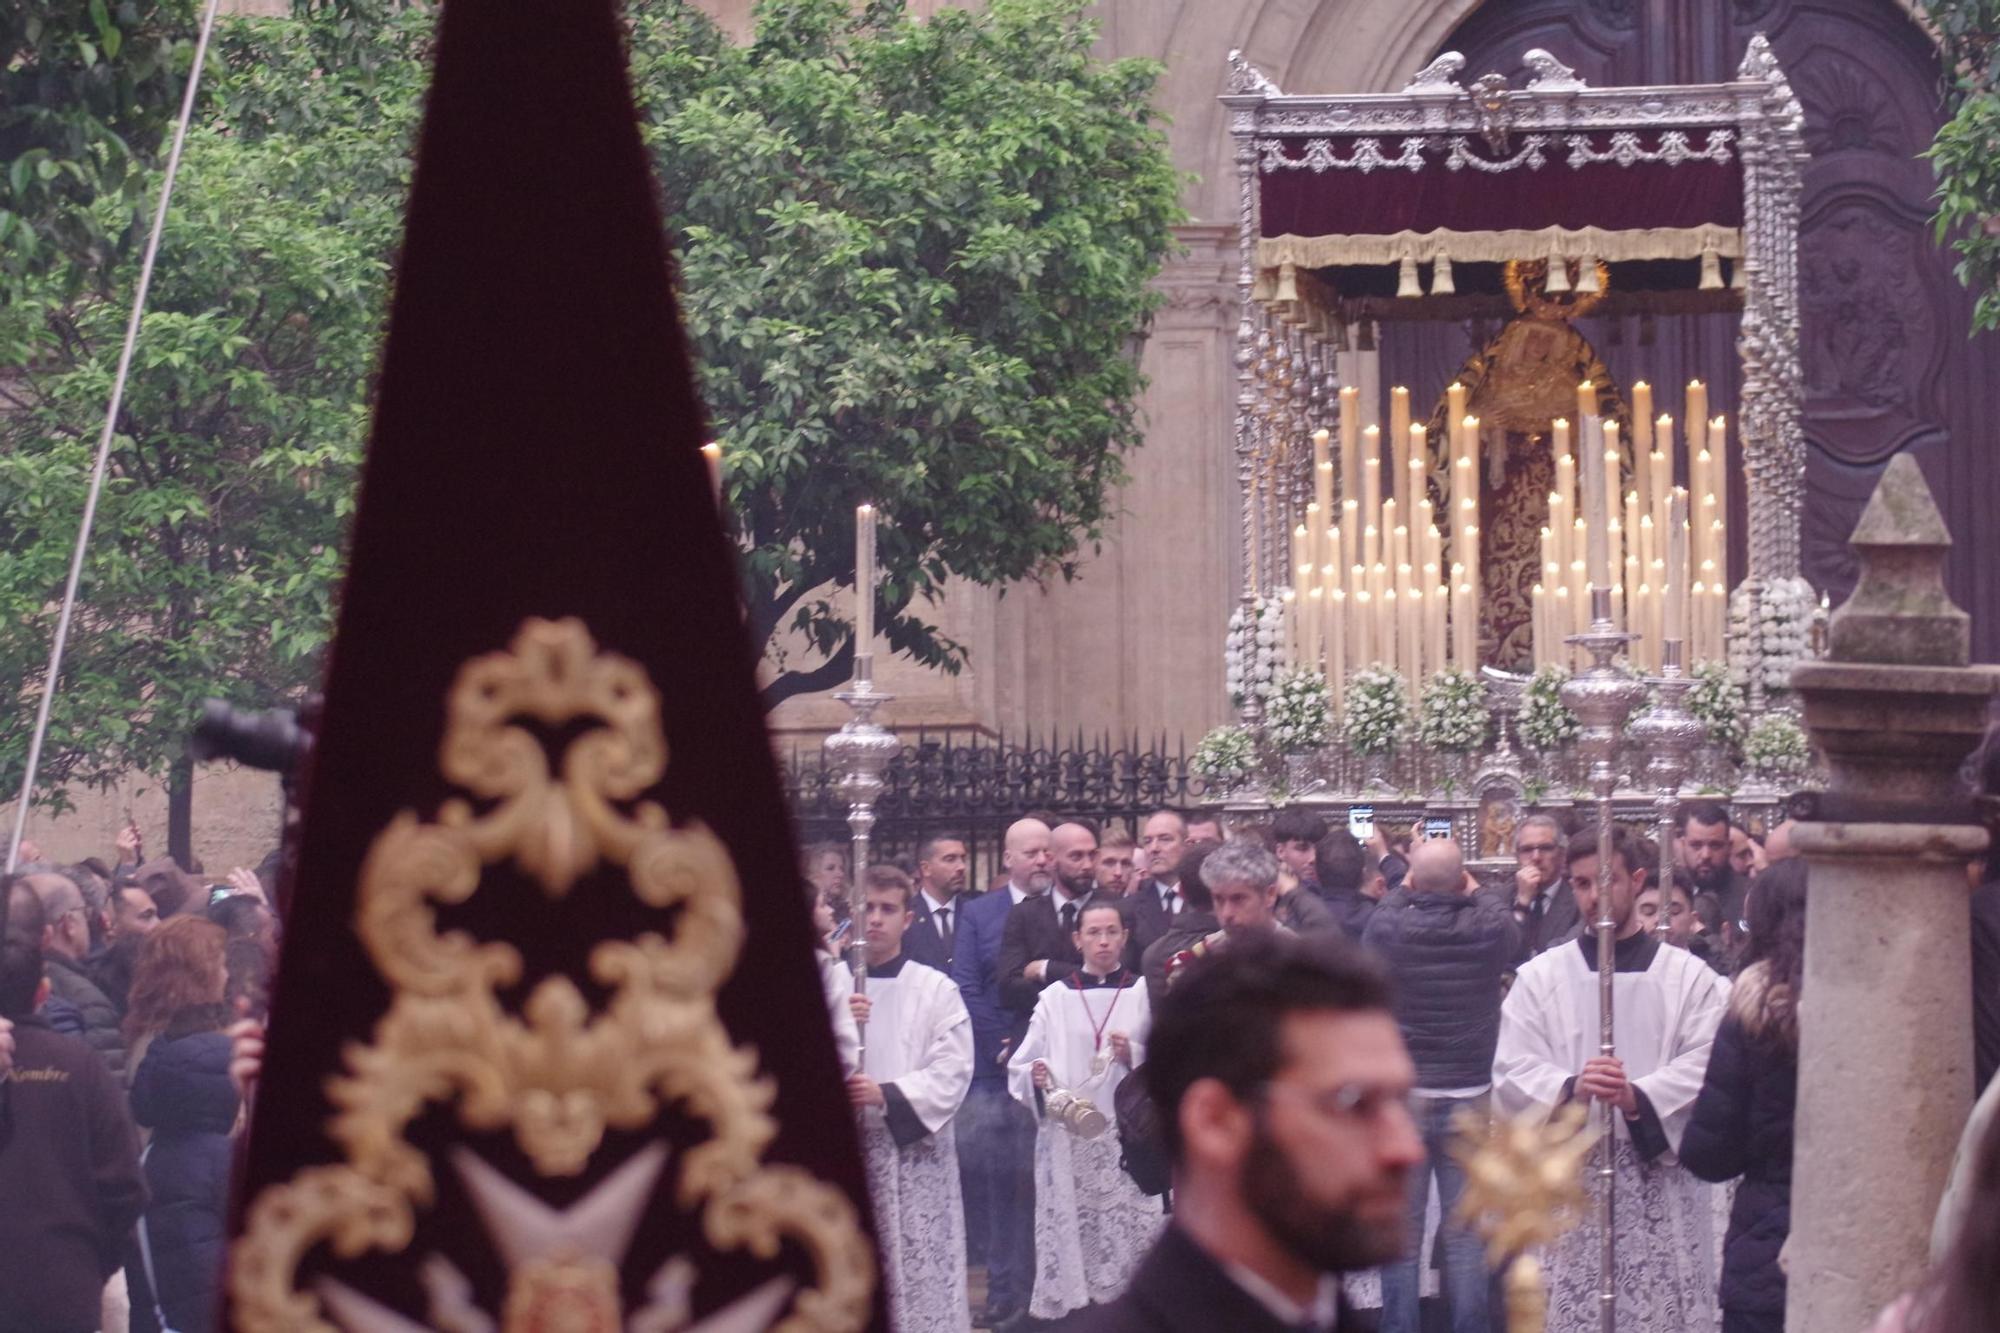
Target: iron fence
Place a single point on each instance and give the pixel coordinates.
(975, 785)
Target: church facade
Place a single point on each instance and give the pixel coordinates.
(1134, 645)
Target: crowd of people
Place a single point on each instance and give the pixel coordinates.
(121, 986)
(1207, 1072)
(1028, 1053)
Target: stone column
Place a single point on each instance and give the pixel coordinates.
(1885, 1061)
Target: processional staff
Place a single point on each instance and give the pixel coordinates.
(860, 753)
(1602, 696)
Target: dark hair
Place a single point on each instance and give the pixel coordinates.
(1703, 812)
(1777, 914)
(928, 847)
(1194, 891)
(1298, 826)
(1192, 817)
(1101, 905)
(20, 949)
(884, 878)
(1339, 861)
(1963, 1295)
(1223, 1016)
(1627, 849)
(238, 913)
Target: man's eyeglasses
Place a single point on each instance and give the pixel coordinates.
(1352, 1101)
(1536, 849)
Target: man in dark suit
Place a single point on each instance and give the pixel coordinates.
(1703, 850)
(996, 1134)
(1039, 946)
(1282, 1088)
(1158, 899)
(1545, 909)
(942, 865)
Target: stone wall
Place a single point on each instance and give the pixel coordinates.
(236, 813)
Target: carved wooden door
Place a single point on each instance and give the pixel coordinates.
(1889, 366)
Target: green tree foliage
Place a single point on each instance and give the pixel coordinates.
(218, 541)
(914, 258)
(87, 88)
(1966, 152)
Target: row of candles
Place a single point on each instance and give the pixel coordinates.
(1660, 548)
(1379, 575)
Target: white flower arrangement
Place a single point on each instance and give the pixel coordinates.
(1299, 717)
(1453, 716)
(1251, 656)
(1777, 748)
(1378, 711)
(1717, 701)
(1225, 755)
(1782, 637)
(1546, 722)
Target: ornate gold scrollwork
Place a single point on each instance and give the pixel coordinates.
(554, 1074)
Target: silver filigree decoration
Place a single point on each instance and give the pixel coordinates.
(1531, 156)
(1320, 156)
(1441, 75)
(1492, 103)
(1626, 149)
(1551, 75)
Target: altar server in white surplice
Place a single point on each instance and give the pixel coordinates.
(1666, 1006)
(916, 1065)
(1092, 1225)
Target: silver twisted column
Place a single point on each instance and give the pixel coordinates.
(860, 752)
(1602, 696)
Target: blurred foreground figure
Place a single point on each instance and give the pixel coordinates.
(1283, 1092)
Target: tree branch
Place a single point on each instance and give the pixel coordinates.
(822, 677)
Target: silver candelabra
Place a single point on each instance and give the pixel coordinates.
(860, 753)
(1668, 734)
(1602, 696)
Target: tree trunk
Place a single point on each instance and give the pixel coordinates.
(180, 811)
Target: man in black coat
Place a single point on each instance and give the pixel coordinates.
(942, 868)
(65, 944)
(1280, 1082)
(1345, 868)
(1448, 946)
(69, 1157)
(1158, 899)
(1704, 852)
(1038, 945)
(1544, 904)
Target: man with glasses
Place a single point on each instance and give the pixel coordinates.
(1545, 906)
(1283, 1092)
(65, 945)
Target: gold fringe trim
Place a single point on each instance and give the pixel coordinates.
(1497, 247)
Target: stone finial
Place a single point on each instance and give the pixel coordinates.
(1900, 612)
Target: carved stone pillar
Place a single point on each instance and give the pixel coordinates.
(1885, 1060)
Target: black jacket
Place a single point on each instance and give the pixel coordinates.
(1178, 1288)
(1985, 983)
(1150, 920)
(69, 1172)
(183, 1093)
(1448, 953)
(101, 1018)
(1034, 930)
(1351, 908)
(922, 941)
(1742, 1126)
(1189, 928)
(1556, 925)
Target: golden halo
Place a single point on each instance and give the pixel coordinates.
(1525, 278)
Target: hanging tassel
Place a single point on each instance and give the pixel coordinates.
(1288, 283)
(1406, 283)
(1441, 284)
(1711, 271)
(1558, 275)
(1736, 275)
(1586, 276)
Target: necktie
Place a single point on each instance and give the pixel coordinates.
(1170, 899)
(1535, 910)
(944, 926)
(1069, 918)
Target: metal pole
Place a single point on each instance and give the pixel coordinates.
(1668, 735)
(1602, 696)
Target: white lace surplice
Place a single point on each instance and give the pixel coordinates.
(1665, 1020)
(920, 1039)
(1092, 1225)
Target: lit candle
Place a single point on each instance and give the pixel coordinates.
(1371, 547)
(1558, 531)
(1315, 632)
(1676, 588)
(864, 579)
(1634, 575)
(1596, 517)
(1350, 446)
(1454, 398)
(1362, 613)
(1294, 638)
(1302, 564)
(1416, 467)
(1389, 614)
(1565, 625)
(1465, 631)
(1539, 619)
(1330, 557)
(1586, 403)
(712, 454)
(1718, 449)
(1413, 630)
(1697, 646)
(1399, 445)
(1371, 475)
(1697, 410)
(1434, 618)
(1336, 641)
